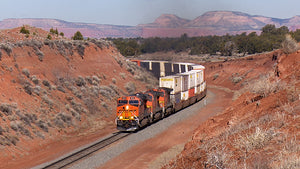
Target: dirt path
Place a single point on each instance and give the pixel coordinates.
(148, 153)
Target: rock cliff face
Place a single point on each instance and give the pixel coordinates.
(167, 25)
(57, 89)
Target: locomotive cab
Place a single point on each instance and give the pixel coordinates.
(130, 111)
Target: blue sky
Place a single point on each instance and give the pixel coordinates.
(134, 12)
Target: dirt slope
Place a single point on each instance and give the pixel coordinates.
(58, 94)
(260, 129)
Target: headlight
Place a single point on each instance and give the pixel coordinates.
(131, 117)
(121, 117)
(127, 107)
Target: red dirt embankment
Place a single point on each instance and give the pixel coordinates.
(58, 94)
(260, 128)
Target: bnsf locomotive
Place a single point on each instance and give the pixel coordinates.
(175, 92)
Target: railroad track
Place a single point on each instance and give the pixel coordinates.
(66, 161)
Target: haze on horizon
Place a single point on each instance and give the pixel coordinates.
(134, 12)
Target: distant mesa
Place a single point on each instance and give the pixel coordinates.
(166, 25)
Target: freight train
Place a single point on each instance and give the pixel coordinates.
(175, 92)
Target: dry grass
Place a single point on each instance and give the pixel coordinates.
(292, 162)
(265, 86)
(289, 45)
(256, 140)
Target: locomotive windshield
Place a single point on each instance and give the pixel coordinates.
(134, 102)
(122, 102)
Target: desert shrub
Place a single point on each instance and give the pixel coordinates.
(131, 67)
(7, 109)
(80, 49)
(96, 80)
(24, 30)
(94, 91)
(103, 104)
(130, 87)
(54, 31)
(60, 88)
(89, 79)
(289, 45)
(77, 106)
(100, 43)
(1, 130)
(49, 42)
(19, 127)
(35, 80)
(80, 81)
(0, 55)
(69, 46)
(114, 81)
(49, 37)
(42, 125)
(264, 86)
(236, 79)
(47, 100)
(256, 140)
(75, 114)
(26, 72)
(62, 118)
(60, 47)
(40, 55)
(123, 76)
(91, 106)
(8, 140)
(107, 92)
(58, 122)
(77, 93)
(77, 36)
(27, 119)
(115, 89)
(28, 89)
(36, 44)
(46, 83)
(7, 47)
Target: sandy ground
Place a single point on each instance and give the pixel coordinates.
(157, 151)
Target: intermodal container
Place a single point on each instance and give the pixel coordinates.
(168, 68)
(175, 98)
(201, 68)
(185, 95)
(184, 78)
(155, 69)
(173, 82)
(198, 74)
(191, 79)
(176, 68)
(192, 92)
(197, 89)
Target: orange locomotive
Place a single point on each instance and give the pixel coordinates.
(138, 110)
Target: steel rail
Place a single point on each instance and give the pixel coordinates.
(70, 159)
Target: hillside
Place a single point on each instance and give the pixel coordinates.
(260, 128)
(167, 25)
(58, 94)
